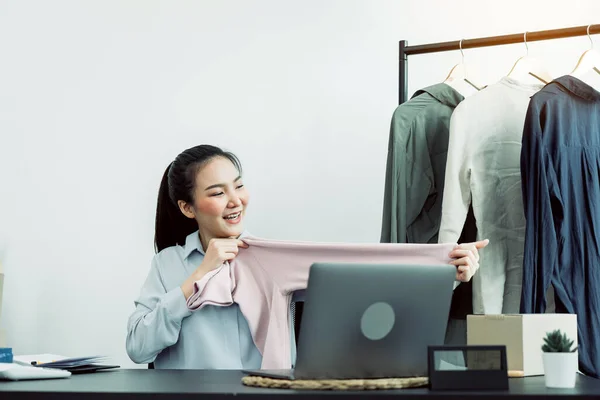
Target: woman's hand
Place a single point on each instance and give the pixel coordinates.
(466, 259)
(217, 252)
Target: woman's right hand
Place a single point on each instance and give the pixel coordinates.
(218, 251)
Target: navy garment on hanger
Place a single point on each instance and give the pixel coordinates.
(560, 170)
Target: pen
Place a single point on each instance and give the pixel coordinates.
(39, 363)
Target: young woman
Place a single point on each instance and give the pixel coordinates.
(199, 222)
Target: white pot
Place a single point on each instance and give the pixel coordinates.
(560, 369)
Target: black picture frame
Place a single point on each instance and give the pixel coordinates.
(494, 378)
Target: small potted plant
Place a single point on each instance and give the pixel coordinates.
(560, 360)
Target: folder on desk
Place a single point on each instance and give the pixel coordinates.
(73, 364)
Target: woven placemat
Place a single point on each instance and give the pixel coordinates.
(336, 384)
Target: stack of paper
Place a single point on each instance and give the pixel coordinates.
(75, 364)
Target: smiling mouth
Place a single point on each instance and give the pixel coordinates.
(233, 216)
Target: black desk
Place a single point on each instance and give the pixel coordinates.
(207, 385)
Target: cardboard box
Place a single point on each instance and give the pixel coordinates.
(2, 332)
(522, 334)
(1, 288)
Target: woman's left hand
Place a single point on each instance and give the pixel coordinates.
(466, 259)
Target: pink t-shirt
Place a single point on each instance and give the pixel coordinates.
(263, 277)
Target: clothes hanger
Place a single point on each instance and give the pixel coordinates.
(528, 66)
(458, 76)
(589, 60)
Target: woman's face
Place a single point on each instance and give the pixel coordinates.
(220, 201)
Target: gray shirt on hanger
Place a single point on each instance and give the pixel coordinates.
(416, 165)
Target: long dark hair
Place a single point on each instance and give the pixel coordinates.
(178, 183)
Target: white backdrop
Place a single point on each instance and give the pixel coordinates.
(97, 97)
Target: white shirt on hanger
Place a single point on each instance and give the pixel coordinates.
(483, 167)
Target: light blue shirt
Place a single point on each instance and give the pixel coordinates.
(162, 329)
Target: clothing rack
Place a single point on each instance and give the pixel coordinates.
(406, 50)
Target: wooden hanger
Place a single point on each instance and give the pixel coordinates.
(589, 60)
(458, 76)
(528, 66)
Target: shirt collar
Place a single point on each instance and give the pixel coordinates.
(517, 84)
(192, 242)
(443, 93)
(578, 87)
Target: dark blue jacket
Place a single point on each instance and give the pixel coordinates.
(560, 170)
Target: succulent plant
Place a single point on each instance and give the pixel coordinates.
(557, 342)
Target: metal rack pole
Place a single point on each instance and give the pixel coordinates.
(405, 50)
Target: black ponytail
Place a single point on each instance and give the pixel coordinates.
(171, 227)
(178, 182)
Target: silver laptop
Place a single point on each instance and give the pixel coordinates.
(370, 321)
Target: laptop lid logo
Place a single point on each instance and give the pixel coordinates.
(377, 321)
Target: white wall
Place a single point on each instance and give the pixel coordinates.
(97, 97)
